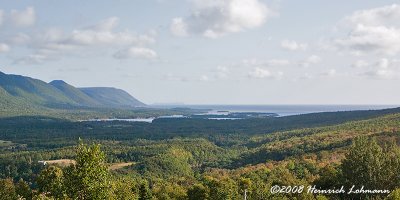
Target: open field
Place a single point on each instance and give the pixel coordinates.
(60, 162)
(67, 162)
(115, 166)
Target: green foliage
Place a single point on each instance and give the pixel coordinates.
(145, 192)
(199, 159)
(58, 94)
(89, 177)
(329, 177)
(123, 189)
(394, 195)
(174, 162)
(222, 189)
(23, 190)
(198, 192)
(42, 196)
(282, 176)
(7, 189)
(321, 197)
(169, 191)
(369, 165)
(51, 181)
(111, 97)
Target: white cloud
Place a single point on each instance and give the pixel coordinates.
(204, 78)
(223, 69)
(106, 25)
(305, 76)
(329, 73)
(216, 18)
(55, 43)
(36, 58)
(311, 60)
(255, 68)
(262, 73)
(383, 69)
(277, 62)
(19, 39)
(375, 39)
(386, 15)
(360, 64)
(103, 34)
(23, 18)
(178, 27)
(136, 52)
(293, 45)
(380, 74)
(383, 63)
(99, 34)
(4, 48)
(221, 72)
(265, 63)
(31, 59)
(93, 37)
(374, 30)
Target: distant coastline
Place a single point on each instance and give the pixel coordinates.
(281, 110)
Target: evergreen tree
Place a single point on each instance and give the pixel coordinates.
(145, 192)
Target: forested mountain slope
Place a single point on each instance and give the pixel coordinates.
(20, 95)
(182, 159)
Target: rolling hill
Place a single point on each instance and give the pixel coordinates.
(74, 93)
(20, 93)
(111, 97)
(32, 91)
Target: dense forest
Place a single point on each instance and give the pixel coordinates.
(294, 157)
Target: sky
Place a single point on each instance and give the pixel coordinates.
(210, 51)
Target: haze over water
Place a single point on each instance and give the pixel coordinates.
(283, 110)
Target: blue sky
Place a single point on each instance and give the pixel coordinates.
(210, 51)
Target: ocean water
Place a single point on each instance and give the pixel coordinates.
(281, 110)
(286, 110)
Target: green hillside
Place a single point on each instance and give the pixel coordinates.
(180, 157)
(75, 94)
(20, 95)
(112, 97)
(187, 158)
(33, 91)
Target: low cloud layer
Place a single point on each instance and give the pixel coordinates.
(52, 43)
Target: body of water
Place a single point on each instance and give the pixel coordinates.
(281, 110)
(285, 110)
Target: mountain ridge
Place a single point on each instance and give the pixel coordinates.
(74, 93)
(111, 96)
(18, 91)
